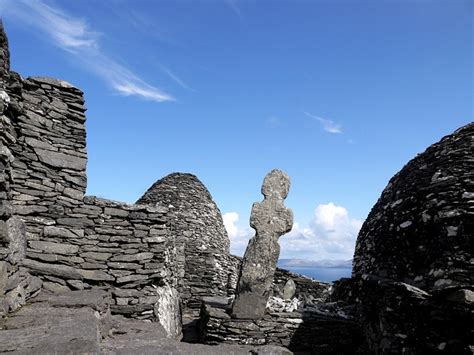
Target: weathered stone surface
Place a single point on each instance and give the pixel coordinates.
(420, 231)
(3, 277)
(4, 53)
(270, 219)
(396, 317)
(54, 248)
(52, 231)
(61, 324)
(314, 331)
(16, 240)
(64, 271)
(61, 160)
(95, 275)
(135, 337)
(168, 311)
(132, 257)
(289, 289)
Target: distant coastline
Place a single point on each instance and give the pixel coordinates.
(321, 270)
(322, 274)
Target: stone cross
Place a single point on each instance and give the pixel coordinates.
(270, 219)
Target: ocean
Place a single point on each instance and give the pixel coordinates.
(320, 273)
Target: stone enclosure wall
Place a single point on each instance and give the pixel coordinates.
(319, 330)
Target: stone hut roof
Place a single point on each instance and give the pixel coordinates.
(199, 226)
(421, 229)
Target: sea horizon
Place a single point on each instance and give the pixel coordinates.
(325, 274)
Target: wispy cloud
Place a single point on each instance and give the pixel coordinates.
(233, 5)
(74, 36)
(328, 125)
(175, 78)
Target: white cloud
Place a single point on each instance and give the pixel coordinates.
(330, 235)
(73, 35)
(328, 125)
(239, 236)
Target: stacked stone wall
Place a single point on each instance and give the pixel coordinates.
(49, 172)
(16, 283)
(316, 332)
(307, 289)
(102, 243)
(48, 228)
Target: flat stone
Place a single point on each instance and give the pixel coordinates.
(61, 160)
(52, 231)
(96, 256)
(35, 143)
(53, 82)
(115, 212)
(54, 248)
(62, 271)
(95, 275)
(133, 257)
(131, 278)
(44, 329)
(154, 240)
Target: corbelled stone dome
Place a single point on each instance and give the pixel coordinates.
(421, 229)
(200, 232)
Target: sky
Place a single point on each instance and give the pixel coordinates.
(339, 94)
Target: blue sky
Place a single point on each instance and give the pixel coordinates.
(339, 94)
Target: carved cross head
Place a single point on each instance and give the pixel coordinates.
(276, 185)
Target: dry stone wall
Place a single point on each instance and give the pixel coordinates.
(102, 243)
(16, 283)
(48, 228)
(316, 331)
(76, 242)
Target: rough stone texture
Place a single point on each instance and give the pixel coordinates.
(204, 264)
(48, 227)
(420, 231)
(317, 330)
(63, 324)
(79, 322)
(16, 240)
(412, 277)
(308, 290)
(396, 317)
(4, 53)
(270, 219)
(289, 289)
(168, 311)
(134, 337)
